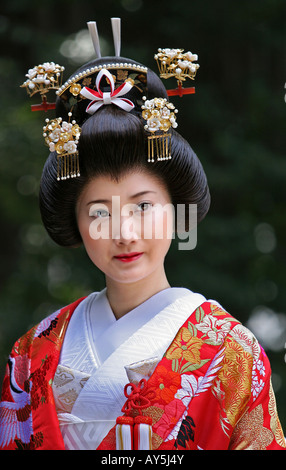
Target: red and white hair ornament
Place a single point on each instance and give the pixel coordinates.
(99, 98)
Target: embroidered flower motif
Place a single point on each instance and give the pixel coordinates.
(260, 366)
(257, 384)
(188, 390)
(165, 383)
(256, 387)
(166, 426)
(41, 393)
(192, 386)
(185, 346)
(215, 329)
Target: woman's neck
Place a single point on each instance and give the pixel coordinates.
(125, 297)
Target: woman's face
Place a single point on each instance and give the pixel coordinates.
(126, 225)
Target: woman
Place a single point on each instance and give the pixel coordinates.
(139, 365)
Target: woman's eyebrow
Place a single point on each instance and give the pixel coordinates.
(108, 201)
(99, 201)
(141, 193)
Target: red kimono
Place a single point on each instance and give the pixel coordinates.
(210, 391)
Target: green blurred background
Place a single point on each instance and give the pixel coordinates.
(235, 122)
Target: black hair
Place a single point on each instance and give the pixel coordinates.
(114, 142)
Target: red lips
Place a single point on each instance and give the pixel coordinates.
(128, 257)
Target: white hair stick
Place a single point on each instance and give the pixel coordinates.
(94, 36)
(116, 29)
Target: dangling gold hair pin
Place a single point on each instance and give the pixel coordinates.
(62, 137)
(160, 116)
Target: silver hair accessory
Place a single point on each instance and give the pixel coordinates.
(116, 29)
(94, 37)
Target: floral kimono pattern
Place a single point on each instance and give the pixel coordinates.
(211, 390)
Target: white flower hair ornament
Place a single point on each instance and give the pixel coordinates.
(160, 116)
(41, 79)
(62, 137)
(180, 65)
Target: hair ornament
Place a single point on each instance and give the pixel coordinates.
(179, 64)
(160, 116)
(123, 84)
(94, 37)
(102, 84)
(159, 113)
(99, 98)
(120, 69)
(62, 137)
(116, 30)
(41, 79)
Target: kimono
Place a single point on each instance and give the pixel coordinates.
(203, 380)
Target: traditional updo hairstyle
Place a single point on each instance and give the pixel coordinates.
(114, 142)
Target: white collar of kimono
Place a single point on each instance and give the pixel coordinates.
(94, 333)
(110, 345)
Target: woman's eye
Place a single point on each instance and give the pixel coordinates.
(100, 213)
(144, 206)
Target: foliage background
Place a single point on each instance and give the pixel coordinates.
(235, 123)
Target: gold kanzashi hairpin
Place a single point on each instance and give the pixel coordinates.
(41, 79)
(159, 112)
(179, 64)
(159, 115)
(62, 137)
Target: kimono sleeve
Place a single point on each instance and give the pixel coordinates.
(259, 427)
(28, 418)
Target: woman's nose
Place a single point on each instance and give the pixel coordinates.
(126, 229)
